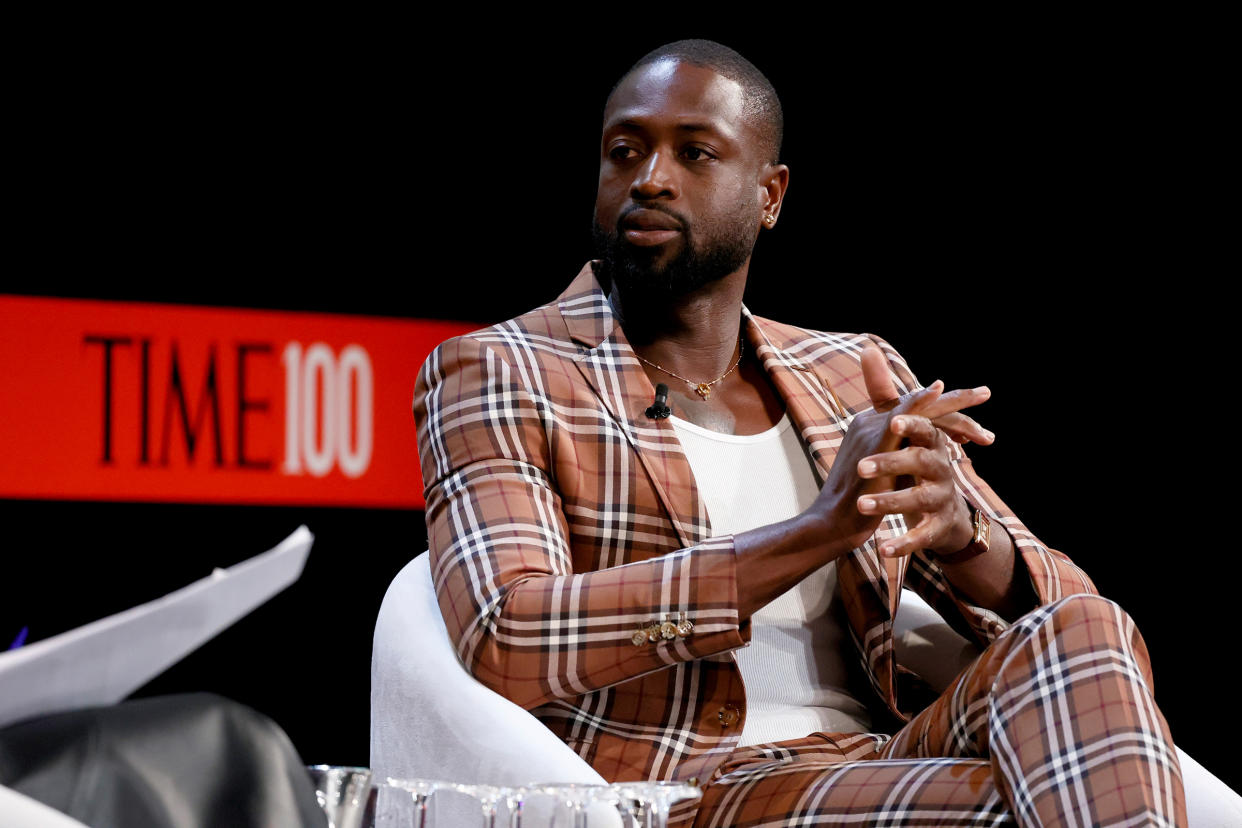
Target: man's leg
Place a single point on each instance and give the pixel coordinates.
(1061, 705)
(806, 783)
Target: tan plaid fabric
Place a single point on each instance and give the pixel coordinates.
(563, 523)
(1054, 724)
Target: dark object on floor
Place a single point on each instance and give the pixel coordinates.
(169, 762)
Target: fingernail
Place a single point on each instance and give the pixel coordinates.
(990, 435)
(899, 425)
(937, 385)
(866, 504)
(866, 467)
(887, 551)
(983, 389)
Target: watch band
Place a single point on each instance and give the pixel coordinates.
(978, 542)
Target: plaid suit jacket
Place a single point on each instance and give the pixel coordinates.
(562, 520)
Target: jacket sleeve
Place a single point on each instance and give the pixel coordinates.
(523, 622)
(1053, 575)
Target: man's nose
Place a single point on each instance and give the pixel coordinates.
(656, 177)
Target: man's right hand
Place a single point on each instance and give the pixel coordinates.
(773, 558)
(871, 432)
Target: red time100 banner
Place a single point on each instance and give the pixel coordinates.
(145, 402)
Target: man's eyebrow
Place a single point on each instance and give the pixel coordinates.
(690, 127)
(698, 128)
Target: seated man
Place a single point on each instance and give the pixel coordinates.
(686, 596)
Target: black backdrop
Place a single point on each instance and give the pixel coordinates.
(1021, 204)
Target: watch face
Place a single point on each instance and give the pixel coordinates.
(982, 525)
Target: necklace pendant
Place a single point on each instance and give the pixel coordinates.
(703, 390)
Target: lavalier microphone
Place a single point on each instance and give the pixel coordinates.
(659, 409)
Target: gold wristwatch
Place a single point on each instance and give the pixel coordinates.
(978, 541)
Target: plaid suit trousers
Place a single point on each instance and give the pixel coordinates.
(1054, 724)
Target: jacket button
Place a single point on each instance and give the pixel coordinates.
(728, 716)
(639, 638)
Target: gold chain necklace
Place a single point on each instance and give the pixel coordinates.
(703, 389)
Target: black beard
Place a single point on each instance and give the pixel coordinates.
(633, 270)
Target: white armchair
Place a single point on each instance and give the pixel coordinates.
(431, 719)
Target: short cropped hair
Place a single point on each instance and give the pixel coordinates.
(762, 103)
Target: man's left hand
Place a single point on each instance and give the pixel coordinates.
(943, 524)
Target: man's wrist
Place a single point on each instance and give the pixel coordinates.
(972, 538)
(814, 531)
(960, 535)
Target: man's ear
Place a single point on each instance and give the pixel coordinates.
(773, 182)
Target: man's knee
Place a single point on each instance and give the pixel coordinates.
(1090, 621)
(1089, 607)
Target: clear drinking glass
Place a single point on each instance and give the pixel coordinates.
(420, 790)
(576, 800)
(343, 792)
(649, 802)
(640, 804)
(515, 798)
(488, 797)
(393, 808)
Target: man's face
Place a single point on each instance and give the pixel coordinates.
(679, 201)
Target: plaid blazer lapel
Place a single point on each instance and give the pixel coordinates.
(608, 364)
(806, 386)
(811, 405)
(820, 380)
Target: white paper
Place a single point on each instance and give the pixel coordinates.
(103, 662)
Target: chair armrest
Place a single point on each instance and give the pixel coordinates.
(431, 719)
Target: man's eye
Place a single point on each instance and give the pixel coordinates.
(696, 154)
(622, 153)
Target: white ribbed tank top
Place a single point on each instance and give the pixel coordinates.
(795, 669)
